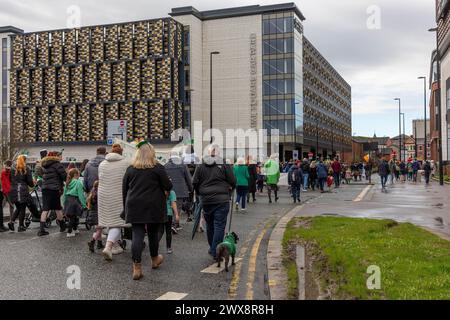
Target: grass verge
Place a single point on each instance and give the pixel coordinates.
(414, 263)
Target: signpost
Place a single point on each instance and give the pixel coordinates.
(310, 155)
(295, 154)
(117, 129)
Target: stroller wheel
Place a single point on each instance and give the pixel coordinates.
(123, 244)
(88, 226)
(48, 223)
(27, 223)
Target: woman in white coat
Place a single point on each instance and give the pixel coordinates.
(110, 204)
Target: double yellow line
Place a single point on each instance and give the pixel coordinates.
(232, 291)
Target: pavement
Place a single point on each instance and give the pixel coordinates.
(426, 206)
(37, 268)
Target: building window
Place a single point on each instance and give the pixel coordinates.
(278, 26)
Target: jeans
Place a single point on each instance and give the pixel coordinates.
(216, 220)
(241, 195)
(168, 227)
(322, 183)
(296, 191)
(154, 230)
(427, 178)
(337, 179)
(384, 180)
(305, 181)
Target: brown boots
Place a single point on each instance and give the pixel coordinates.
(156, 261)
(137, 271)
(137, 267)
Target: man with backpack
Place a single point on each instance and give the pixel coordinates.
(295, 180)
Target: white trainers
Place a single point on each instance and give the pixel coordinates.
(107, 254)
(70, 235)
(116, 249)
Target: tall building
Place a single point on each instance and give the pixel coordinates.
(419, 138)
(443, 22)
(267, 75)
(433, 109)
(65, 85)
(5, 65)
(252, 65)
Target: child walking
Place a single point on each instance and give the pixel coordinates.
(171, 210)
(92, 205)
(74, 201)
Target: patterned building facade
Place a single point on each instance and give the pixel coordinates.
(327, 105)
(66, 84)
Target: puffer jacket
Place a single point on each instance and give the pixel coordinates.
(91, 172)
(20, 184)
(180, 176)
(53, 174)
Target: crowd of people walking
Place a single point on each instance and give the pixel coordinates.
(137, 198)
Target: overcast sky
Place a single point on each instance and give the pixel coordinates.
(380, 58)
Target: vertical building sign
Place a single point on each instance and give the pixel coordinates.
(253, 82)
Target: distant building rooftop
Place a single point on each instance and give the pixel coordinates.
(10, 29)
(236, 11)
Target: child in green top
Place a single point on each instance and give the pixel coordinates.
(74, 201)
(171, 209)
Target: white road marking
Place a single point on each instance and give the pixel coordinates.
(172, 296)
(362, 194)
(213, 268)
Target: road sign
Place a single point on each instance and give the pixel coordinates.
(117, 129)
(295, 154)
(310, 155)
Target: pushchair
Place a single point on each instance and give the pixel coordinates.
(35, 209)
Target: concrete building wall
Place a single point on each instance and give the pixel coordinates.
(445, 74)
(4, 93)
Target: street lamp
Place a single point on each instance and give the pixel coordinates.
(425, 113)
(404, 135)
(211, 93)
(438, 63)
(399, 126)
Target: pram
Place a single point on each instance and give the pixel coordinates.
(35, 209)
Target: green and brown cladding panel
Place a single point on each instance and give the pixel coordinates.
(29, 119)
(66, 84)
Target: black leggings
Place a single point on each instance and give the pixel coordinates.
(73, 223)
(168, 227)
(20, 212)
(154, 230)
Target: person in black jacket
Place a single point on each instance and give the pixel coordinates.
(21, 180)
(383, 171)
(295, 179)
(145, 188)
(53, 177)
(214, 181)
(427, 170)
(253, 177)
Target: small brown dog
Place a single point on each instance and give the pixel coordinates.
(226, 249)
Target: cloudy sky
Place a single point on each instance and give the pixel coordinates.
(379, 46)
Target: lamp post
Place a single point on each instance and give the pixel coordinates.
(438, 62)
(404, 135)
(399, 126)
(317, 138)
(425, 113)
(211, 92)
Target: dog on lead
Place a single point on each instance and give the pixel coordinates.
(226, 249)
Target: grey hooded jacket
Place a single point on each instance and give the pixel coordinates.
(180, 176)
(91, 172)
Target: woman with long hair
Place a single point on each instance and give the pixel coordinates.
(145, 189)
(21, 181)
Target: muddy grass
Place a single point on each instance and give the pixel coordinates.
(414, 263)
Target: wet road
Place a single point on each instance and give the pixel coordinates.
(36, 268)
